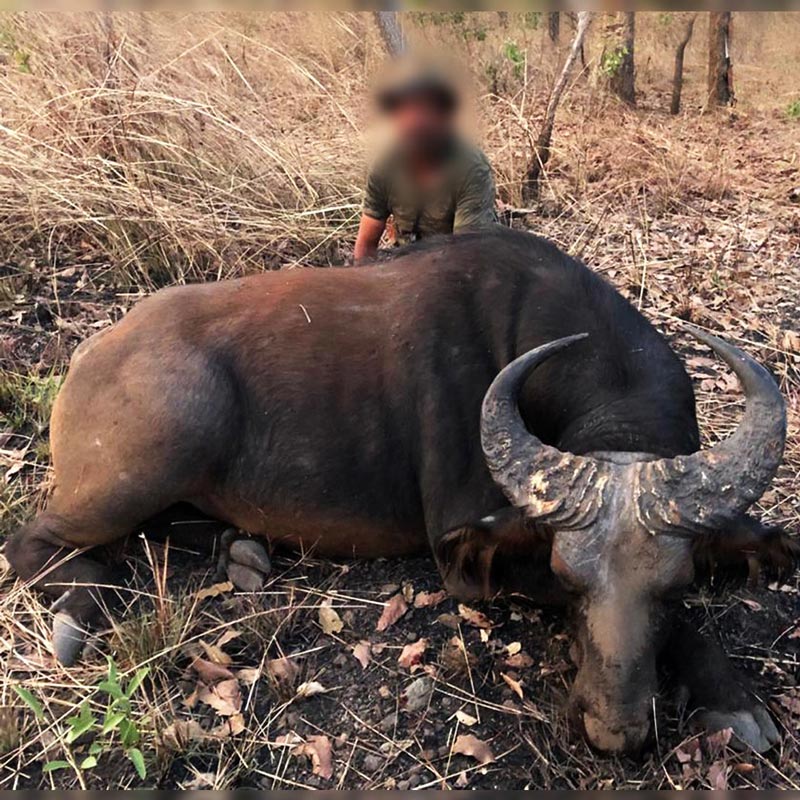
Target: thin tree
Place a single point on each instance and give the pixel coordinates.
(677, 75)
(720, 68)
(391, 32)
(554, 26)
(541, 150)
(617, 61)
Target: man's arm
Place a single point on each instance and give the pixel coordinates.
(370, 231)
(475, 206)
(373, 217)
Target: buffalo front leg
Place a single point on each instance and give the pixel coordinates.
(244, 561)
(715, 693)
(81, 586)
(501, 553)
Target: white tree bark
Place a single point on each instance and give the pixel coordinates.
(391, 32)
(541, 153)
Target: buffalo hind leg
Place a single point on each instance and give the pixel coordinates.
(81, 586)
(715, 692)
(244, 561)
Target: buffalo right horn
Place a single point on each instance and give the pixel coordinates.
(553, 487)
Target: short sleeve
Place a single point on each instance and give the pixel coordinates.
(475, 203)
(376, 198)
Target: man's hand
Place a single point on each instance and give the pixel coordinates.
(370, 231)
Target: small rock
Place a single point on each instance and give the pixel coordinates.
(403, 786)
(388, 723)
(417, 693)
(372, 763)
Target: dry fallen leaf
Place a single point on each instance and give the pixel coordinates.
(199, 781)
(429, 599)
(393, 609)
(468, 745)
(363, 653)
(224, 697)
(309, 689)
(411, 656)
(248, 675)
(329, 620)
(717, 742)
(318, 749)
(180, 733)
(465, 719)
(519, 661)
(232, 726)
(473, 617)
(215, 590)
(718, 776)
(515, 685)
(283, 670)
(513, 648)
(209, 672)
(215, 654)
(790, 703)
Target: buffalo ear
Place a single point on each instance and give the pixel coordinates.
(464, 557)
(746, 551)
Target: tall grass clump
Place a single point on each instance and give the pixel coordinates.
(181, 143)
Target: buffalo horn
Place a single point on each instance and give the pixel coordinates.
(710, 489)
(556, 488)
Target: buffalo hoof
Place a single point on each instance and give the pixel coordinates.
(244, 578)
(247, 564)
(68, 638)
(252, 554)
(752, 728)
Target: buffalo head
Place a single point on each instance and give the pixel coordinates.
(623, 528)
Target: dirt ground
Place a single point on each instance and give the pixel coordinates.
(285, 702)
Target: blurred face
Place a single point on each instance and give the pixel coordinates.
(421, 125)
(620, 576)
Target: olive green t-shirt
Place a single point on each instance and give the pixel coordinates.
(464, 199)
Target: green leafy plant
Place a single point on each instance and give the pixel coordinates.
(115, 726)
(27, 399)
(793, 110)
(531, 19)
(516, 55)
(611, 60)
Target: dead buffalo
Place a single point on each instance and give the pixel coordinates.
(343, 410)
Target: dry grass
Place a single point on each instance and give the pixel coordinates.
(163, 148)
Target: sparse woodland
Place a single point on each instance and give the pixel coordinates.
(143, 150)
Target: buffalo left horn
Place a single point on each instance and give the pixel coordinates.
(710, 489)
(557, 488)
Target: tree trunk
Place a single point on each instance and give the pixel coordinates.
(391, 32)
(720, 69)
(541, 154)
(554, 26)
(618, 61)
(677, 76)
